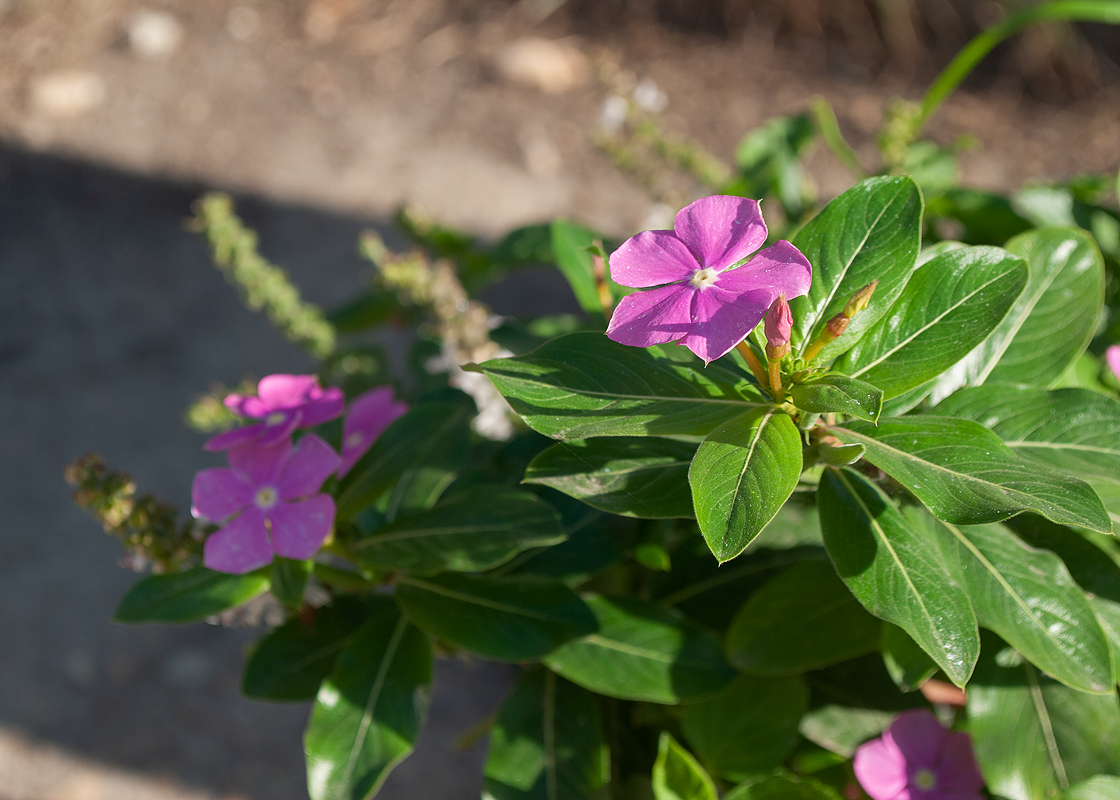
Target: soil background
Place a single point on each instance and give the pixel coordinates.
(323, 117)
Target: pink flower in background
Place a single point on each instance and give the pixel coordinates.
(369, 415)
(1112, 356)
(273, 493)
(284, 402)
(698, 299)
(918, 759)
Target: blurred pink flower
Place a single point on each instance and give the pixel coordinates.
(1112, 356)
(698, 298)
(272, 492)
(918, 759)
(370, 414)
(284, 402)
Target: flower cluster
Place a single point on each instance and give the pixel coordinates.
(268, 501)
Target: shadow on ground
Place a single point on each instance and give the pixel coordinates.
(111, 321)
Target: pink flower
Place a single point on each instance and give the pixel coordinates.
(272, 492)
(917, 759)
(284, 402)
(699, 299)
(1112, 356)
(369, 415)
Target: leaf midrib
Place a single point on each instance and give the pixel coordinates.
(481, 601)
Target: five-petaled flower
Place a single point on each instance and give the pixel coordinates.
(918, 759)
(284, 403)
(369, 415)
(701, 298)
(273, 493)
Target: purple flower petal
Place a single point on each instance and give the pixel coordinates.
(217, 493)
(241, 546)
(278, 426)
(655, 316)
(246, 406)
(234, 438)
(370, 413)
(722, 319)
(323, 406)
(880, 769)
(958, 772)
(260, 464)
(652, 258)
(721, 230)
(311, 463)
(298, 529)
(919, 737)
(286, 391)
(1112, 355)
(780, 266)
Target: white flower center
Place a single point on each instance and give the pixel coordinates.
(266, 497)
(354, 440)
(703, 278)
(925, 779)
(275, 418)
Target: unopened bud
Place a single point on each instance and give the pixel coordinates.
(860, 300)
(837, 325)
(778, 326)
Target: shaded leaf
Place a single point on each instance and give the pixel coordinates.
(841, 730)
(677, 775)
(188, 596)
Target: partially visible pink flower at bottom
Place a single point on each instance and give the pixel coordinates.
(918, 759)
(369, 414)
(1112, 356)
(273, 493)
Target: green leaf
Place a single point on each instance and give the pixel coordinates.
(896, 571)
(841, 394)
(1050, 324)
(948, 307)
(987, 218)
(369, 712)
(783, 787)
(907, 663)
(289, 663)
(803, 619)
(677, 775)
(188, 596)
(633, 476)
(1099, 787)
(517, 618)
(642, 651)
(469, 532)
(289, 579)
(583, 385)
(1075, 431)
(569, 246)
(423, 448)
(966, 475)
(870, 232)
(1028, 597)
(743, 473)
(1034, 736)
(749, 729)
(841, 730)
(547, 743)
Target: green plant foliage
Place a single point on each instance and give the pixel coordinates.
(841, 729)
(783, 787)
(840, 394)
(288, 581)
(188, 596)
(677, 775)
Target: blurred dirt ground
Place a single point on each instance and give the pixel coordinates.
(325, 115)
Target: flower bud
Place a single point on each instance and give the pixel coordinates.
(837, 325)
(859, 300)
(778, 325)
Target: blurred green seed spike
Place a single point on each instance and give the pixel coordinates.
(829, 129)
(265, 287)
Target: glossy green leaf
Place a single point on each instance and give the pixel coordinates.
(743, 473)
(949, 306)
(966, 475)
(188, 596)
(841, 730)
(1032, 735)
(784, 787)
(1074, 431)
(289, 579)
(803, 619)
(507, 619)
(1028, 597)
(907, 663)
(677, 775)
(468, 532)
(583, 385)
(547, 743)
(870, 232)
(289, 663)
(897, 571)
(424, 448)
(643, 477)
(1050, 324)
(749, 729)
(642, 651)
(569, 247)
(841, 394)
(1099, 787)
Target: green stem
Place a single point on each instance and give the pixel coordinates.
(1107, 11)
